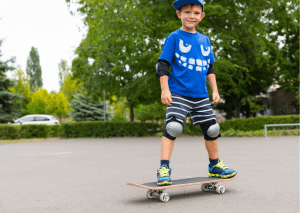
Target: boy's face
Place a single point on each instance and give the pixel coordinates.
(190, 17)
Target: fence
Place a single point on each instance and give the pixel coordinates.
(278, 125)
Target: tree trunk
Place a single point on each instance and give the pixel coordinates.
(131, 112)
(238, 109)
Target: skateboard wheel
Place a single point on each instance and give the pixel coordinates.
(204, 187)
(220, 189)
(150, 194)
(164, 197)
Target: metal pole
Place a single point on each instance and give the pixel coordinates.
(265, 131)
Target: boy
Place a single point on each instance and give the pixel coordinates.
(184, 90)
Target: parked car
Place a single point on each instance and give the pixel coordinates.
(36, 119)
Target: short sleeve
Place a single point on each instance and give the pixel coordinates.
(211, 54)
(168, 50)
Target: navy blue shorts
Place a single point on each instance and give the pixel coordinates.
(199, 109)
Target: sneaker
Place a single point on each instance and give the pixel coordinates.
(163, 176)
(220, 170)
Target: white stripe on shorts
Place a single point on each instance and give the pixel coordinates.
(178, 108)
(205, 110)
(202, 115)
(181, 104)
(202, 106)
(174, 113)
(204, 120)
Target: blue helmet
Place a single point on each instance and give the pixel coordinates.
(178, 3)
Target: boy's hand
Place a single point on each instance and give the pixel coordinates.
(166, 97)
(216, 97)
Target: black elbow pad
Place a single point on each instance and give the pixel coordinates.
(162, 68)
(211, 69)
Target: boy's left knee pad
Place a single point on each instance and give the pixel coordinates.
(210, 130)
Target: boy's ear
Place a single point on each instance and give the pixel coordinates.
(202, 16)
(178, 13)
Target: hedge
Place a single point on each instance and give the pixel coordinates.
(106, 129)
(249, 124)
(28, 131)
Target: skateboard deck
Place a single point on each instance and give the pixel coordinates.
(207, 184)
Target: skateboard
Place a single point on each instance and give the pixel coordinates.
(207, 184)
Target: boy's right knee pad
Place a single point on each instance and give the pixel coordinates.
(173, 129)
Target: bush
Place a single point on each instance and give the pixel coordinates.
(248, 124)
(34, 131)
(107, 129)
(118, 117)
(9, 132)
(257, 123)
(28, 131)
(53, 130)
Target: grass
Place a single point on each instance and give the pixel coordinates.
(27, 140)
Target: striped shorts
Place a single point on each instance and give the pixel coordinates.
(199, 109)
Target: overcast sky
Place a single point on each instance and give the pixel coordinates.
(44, 24)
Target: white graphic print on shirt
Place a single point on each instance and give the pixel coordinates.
(201, 64)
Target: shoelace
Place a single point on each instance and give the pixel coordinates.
(221, 165)
(164, 172)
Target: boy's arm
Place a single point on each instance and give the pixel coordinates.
(166, 97)
(213, 84)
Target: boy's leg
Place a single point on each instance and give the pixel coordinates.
(216, 168)
(212, 149)
(163, 174)
(166, 148)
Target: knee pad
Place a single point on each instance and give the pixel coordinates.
(210, 130)
(173, 129)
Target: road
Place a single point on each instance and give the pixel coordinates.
(90, 175)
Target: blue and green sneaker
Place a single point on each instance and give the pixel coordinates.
(220, 170)
(163, 176)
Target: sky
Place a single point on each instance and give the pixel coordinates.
(44, 24)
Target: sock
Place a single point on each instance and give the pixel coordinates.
(165, 162)
(213, 162)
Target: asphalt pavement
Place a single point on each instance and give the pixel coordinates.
(90, 175)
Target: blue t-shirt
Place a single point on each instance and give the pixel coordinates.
(189, 55)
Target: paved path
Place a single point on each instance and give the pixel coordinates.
(89, 175)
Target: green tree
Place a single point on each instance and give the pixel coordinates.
(151, 112)
(58, 105)
(86, 110)
(21, 86)
(286, 16)
(125, 39)
(70, 87)
(9, 101)
(122, 43)
(34, 70)
(63, 72)
(39, 102)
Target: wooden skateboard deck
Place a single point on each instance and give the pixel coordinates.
(207, 184)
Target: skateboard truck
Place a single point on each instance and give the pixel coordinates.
(211, 187)
(164, 197)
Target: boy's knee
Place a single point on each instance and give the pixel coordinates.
(210, 130)
(173, 129)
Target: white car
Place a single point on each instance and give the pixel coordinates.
(36, 119)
